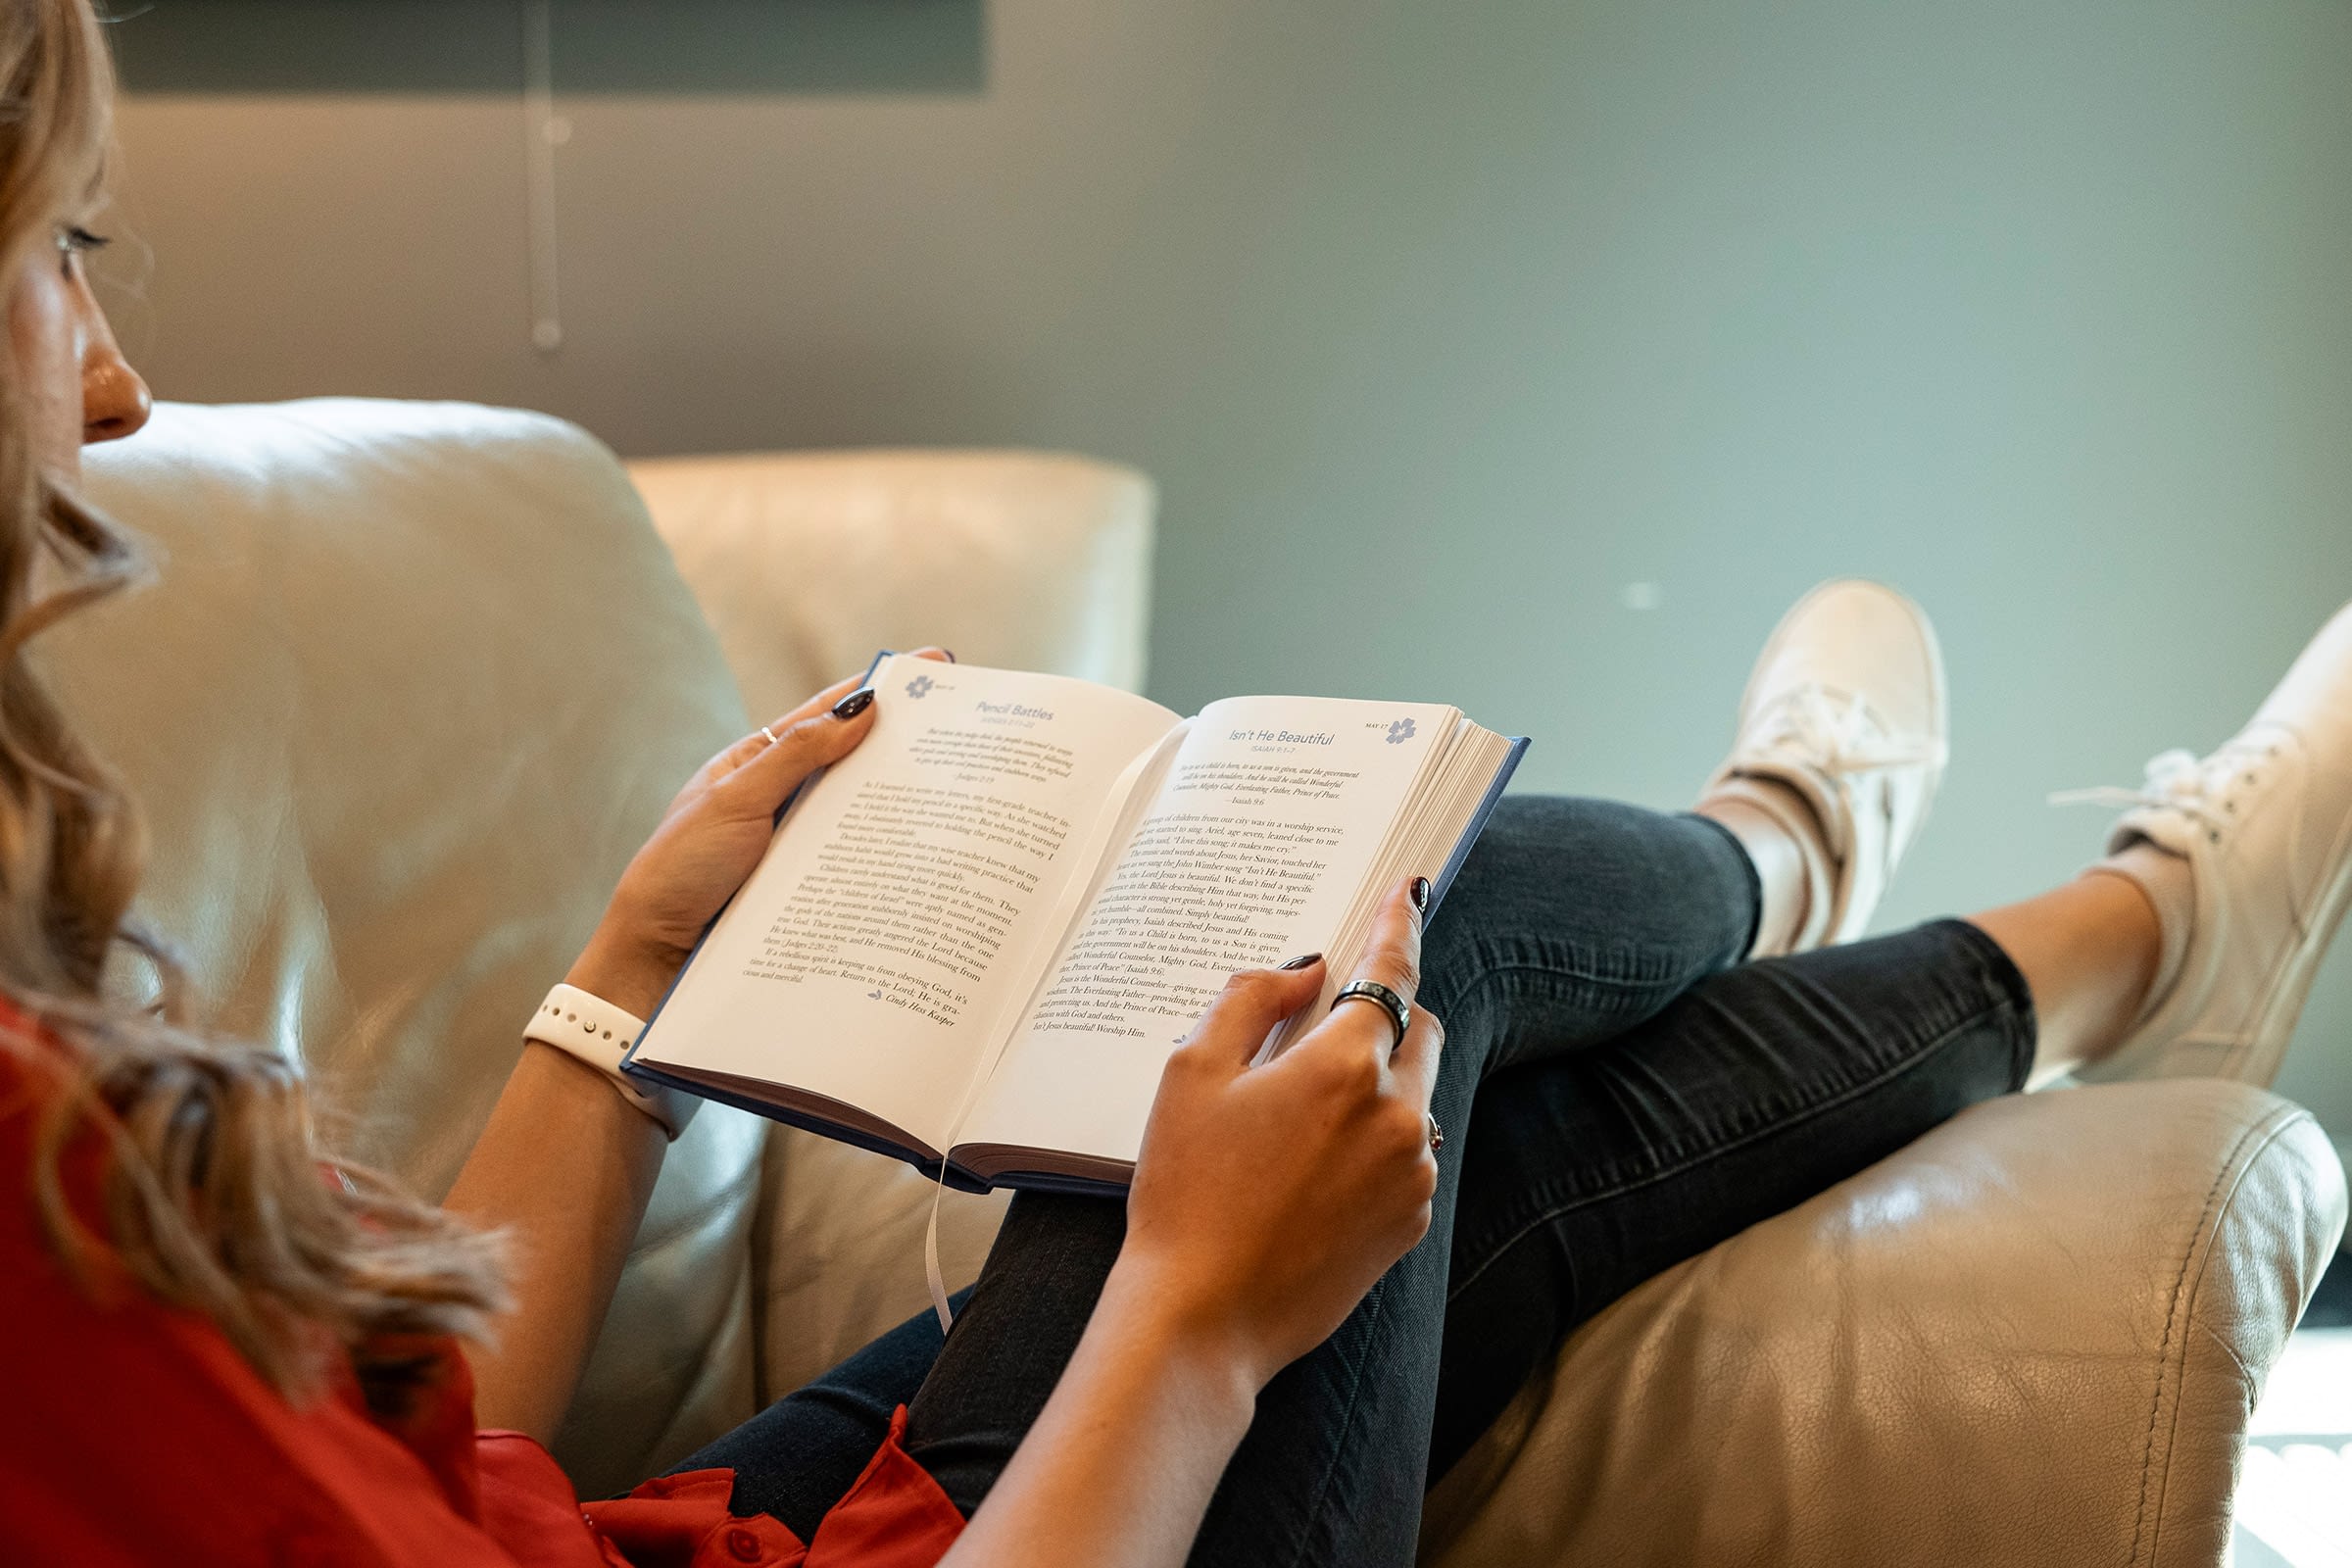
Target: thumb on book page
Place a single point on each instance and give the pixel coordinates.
(1242, 1015)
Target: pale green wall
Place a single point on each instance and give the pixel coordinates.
(1439, 324)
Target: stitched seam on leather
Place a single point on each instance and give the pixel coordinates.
(2245, 1373)
(1715, 1151)
(2176, 1341)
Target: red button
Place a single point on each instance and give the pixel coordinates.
(743, 1544)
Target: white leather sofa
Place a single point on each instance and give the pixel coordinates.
(418, 677)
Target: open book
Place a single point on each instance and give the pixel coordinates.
(975, 940)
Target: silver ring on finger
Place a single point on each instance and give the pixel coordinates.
(770, 734)
(1436, 1134)
(1399, 1011)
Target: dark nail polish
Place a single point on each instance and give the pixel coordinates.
(1420, 892)
(857, 702)
(1302, 961)
(950, 653)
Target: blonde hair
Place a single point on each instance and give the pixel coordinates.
(214, 1195)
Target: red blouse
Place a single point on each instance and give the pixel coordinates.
(131, 1432)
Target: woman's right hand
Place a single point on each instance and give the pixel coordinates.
(1265, 1204)
(1269, 1199)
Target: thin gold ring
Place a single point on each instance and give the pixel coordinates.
(1436, 1134)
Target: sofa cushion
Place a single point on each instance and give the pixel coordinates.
(805, 562)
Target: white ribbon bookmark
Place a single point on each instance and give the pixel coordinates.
(933, 1275)
(1065, 909)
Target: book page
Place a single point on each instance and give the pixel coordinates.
(874, 949)
(1262, 836)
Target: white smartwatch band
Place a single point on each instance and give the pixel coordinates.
(599, 1034)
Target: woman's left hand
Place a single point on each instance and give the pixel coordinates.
(572, 1235)
(710, 839)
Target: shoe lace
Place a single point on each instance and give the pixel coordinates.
(1837, 732)
(2203, 788)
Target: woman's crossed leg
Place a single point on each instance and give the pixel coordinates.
(1617, 1099)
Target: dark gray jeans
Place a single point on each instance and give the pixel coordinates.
(1617, 1097)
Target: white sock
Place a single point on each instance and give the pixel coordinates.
(2169, 883)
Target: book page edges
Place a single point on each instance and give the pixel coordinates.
(1516, 749)
(1044, 1170)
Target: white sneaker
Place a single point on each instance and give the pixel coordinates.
(2263, 829)
(1847, 708)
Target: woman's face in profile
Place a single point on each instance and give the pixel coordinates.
(78, 387)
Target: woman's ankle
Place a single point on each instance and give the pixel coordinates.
(2092, 951)
(1780, 859)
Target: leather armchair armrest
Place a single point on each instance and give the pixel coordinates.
(2033, 1337)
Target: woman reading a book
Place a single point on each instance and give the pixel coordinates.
(1333, 1269)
